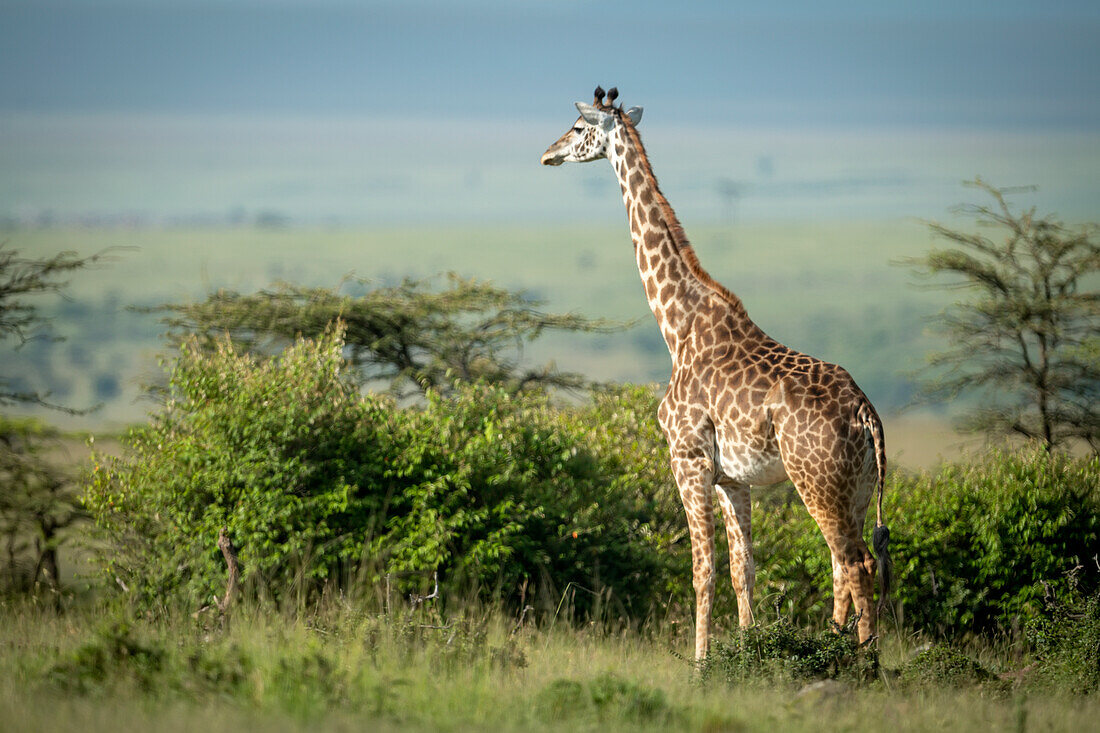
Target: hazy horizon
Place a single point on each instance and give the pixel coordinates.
(386, 113)
(171, 169)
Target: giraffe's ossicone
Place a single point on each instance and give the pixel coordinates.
(741, 409)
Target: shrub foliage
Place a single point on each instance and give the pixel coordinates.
(506, 496)
(779, 651)
(275, 450)
(972, 542)
(496, 493)
(1066, 638)
(976, 540)
(39, 506)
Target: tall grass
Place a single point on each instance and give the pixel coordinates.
(347, 665)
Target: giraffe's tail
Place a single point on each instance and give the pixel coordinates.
(880, 538)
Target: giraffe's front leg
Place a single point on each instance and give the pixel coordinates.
(737, 514)
(694, 475)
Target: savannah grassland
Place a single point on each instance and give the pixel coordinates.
(833, 289)
(363, 661)
(345, 669)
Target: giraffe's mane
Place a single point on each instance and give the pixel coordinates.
(675, 229)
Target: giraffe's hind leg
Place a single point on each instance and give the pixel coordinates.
(828, 467)
(842, 594)
(853, 568)
(858, 566)
(854, 571)
(736, 506)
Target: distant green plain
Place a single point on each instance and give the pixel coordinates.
(832, 289)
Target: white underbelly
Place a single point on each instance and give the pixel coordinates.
(755, 467)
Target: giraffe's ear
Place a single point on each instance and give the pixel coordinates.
(635, 115)
(593, 116)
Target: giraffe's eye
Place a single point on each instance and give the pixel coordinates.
(578, 129)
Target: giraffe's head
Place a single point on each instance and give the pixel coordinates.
(587, 139)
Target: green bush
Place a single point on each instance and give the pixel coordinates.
(504, 490)
(606, 698)
(619, 425)
(39, 506)
(943, 665)
(506, 496)
(1066, 638)
(113, 654)
(793, 573)
(973, 543)
(779, 651)
(283, 452)
(499, 494)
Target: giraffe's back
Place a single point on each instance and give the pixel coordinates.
(779, 413)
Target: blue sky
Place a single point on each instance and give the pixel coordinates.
(1002, 64)
(376, 112)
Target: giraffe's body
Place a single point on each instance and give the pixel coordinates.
(741, 409)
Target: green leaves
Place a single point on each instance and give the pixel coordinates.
(498, 493)
(38, 505)
(282, 451)
(974, 542)
(517, 492)
(781, 652)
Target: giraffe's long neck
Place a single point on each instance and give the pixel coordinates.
(676, 285)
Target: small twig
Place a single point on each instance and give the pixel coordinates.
(522, 616)
(565, 594)
(416, 600)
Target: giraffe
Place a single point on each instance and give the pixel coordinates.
(741, 409)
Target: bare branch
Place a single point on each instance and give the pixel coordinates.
(229, 552)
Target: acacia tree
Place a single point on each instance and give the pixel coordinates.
(408, 335)
(21, 280)
(38, 502)
(38, 499)
(1026, 342)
